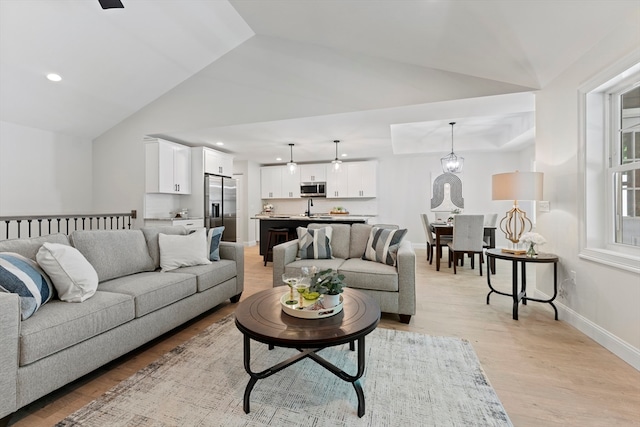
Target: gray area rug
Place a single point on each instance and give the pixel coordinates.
(410, 380)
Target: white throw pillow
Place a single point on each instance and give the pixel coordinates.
(73, 277)
(183, 251)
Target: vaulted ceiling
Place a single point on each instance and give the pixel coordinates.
(384, 77)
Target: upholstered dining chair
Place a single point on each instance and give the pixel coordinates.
(431, 241)
(490, 220)
(468, 231)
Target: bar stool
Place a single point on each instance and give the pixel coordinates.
(275, 236)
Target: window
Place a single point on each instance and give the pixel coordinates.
(610, 165)
(625, 164)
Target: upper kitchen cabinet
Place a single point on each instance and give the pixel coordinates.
(218, 163)
(168, 167)
(337, 182)
(352, 180)
(313, 173)
(362, 178)
(271, 182)
(278, 183)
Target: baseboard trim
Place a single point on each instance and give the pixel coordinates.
(620, 348)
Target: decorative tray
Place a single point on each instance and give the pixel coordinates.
(308, 309)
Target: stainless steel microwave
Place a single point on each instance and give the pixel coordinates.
(313, 189)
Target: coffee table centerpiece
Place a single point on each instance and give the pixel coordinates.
(318, 294)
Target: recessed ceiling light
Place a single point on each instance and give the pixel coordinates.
(344, 154)
(219, 143)
(54, 77)
(278, 159)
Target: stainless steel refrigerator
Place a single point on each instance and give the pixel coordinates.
(220, 205)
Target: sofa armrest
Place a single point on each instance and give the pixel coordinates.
(283, 254)
(406, 264)
(9, 333)
(235, 252)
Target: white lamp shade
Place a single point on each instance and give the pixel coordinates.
(517, 186)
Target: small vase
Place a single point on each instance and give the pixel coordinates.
(531, 252)
(331, 300)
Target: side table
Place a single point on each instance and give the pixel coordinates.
(492, 254)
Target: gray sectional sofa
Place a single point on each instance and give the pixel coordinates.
(134, 303)
(393, 287)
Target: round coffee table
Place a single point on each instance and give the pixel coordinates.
(260, 317)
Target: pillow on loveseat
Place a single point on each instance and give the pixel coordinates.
(73, 277)
(314, 243)
(23, 276)
(213, 242)
(383, 244)
(183, 251)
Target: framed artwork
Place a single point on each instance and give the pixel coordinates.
(446, 195)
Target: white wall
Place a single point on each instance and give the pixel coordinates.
(604, 301)
(43, 172)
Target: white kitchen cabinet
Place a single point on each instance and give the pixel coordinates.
(278, 183)
(362, 179)
(337, 182)
(352, 180)
(168, 167)
(218, 163)
(189, 224)
(313, 173)
(290, 183)
(271, 182)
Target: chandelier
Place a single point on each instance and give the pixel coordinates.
(452, 163)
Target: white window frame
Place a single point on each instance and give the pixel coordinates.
(597, 219)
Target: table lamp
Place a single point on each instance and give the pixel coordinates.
(516, 186)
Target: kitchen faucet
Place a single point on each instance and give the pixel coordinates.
(309, 204)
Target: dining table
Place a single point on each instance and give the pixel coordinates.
(446, 229)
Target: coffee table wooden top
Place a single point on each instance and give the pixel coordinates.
(261, 317)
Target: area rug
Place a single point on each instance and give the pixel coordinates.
(410, 380)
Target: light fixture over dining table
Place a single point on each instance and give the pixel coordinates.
(452, 163)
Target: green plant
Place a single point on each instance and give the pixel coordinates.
(327, 282)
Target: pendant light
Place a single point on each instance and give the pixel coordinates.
(452, 163)
(292, 165)
(336, 162)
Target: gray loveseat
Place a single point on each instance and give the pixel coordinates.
(393, 287)
(134, 304)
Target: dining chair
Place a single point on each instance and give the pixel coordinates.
(490, 220)
(468, 231)
(431, 241)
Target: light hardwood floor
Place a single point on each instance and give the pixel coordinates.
(545, 372)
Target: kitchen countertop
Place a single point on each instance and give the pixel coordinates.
(313, 217)
(166, 218)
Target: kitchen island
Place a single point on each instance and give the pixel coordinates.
(291, 222)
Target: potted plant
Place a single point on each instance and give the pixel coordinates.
(330, 284)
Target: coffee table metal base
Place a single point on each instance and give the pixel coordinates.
(313, 355)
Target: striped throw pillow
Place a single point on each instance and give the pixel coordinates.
(23, 276)
(314, 243)
(383, 245)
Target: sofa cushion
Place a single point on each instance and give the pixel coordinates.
(23, 276)
(183, 251)
(322, 264)
(73, 277)
(210, 275)
(383, 244)
(359, 237)
(59, 325)
(314, 243)
(154, 290)
(29, 247)
(151, 237)
(340, 238)
(114, 253)
(362, 274)
(213, 242)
